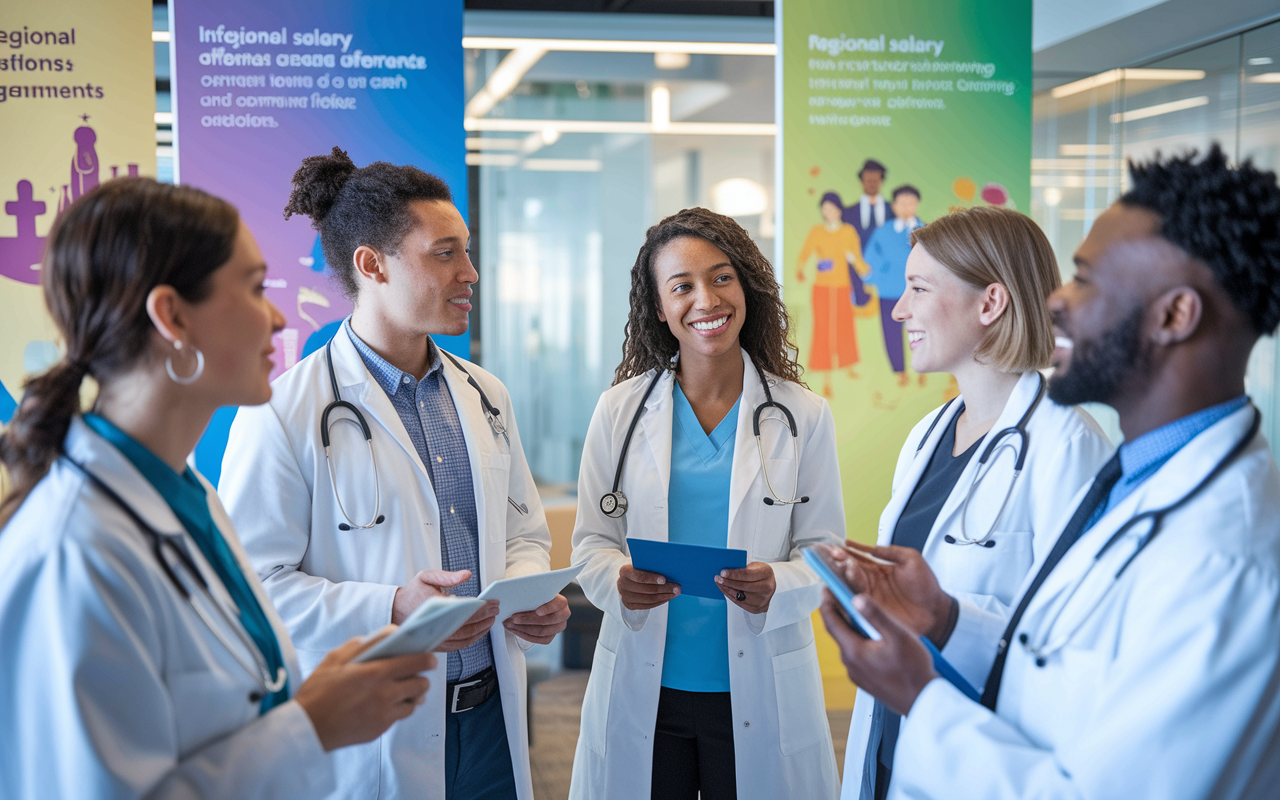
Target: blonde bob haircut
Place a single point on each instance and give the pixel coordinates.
(986, 245)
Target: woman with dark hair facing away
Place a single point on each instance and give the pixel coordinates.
(142, 658)
(354, 516)
(718, 694)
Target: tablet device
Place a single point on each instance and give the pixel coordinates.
(820, 562)
(429, 625)
(527, 592)
(693, 566)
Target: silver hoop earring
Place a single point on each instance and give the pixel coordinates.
(193, 377)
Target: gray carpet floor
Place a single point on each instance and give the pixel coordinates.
(557, 707)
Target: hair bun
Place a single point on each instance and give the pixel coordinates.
(317, 183)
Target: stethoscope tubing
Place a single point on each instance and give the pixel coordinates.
(262, 674)
(618, 506)
(996, 443)
(491, 413)
(1047, 648)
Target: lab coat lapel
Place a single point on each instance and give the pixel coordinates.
(1020, 399)
(110, 466)
(746, 456)
(361, 389)
(655, 428)
(902, 493)
(475, 431)
(1179, 475)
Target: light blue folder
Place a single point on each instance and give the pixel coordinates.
(693, 566)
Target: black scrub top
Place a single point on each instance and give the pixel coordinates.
(915, 523)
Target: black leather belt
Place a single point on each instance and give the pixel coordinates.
(466, 695)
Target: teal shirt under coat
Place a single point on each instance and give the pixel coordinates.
(189, 501)
(696, 655)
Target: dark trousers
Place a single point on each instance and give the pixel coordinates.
(477, 761)
(892, 333)
(693, 747)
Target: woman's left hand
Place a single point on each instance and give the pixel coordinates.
(750, 588)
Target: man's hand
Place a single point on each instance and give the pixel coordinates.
(541, 624)
(895, 669)
(427, 583)
(641, 590)
(470, 633)
(755, 582)
(901, 582)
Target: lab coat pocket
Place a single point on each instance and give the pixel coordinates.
(797, 683)
(996, 571)
(595, 705)
(208, 705)
(496, 471)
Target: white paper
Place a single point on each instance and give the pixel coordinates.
(429, 625)
(527, 592)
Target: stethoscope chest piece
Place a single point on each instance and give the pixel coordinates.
(613, 504)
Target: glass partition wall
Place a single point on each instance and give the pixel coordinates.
(1086, 130)
(578, 152)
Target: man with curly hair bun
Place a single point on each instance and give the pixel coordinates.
(1141, 660)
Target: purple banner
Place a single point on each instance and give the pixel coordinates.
(257, 87)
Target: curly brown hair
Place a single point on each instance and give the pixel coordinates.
(649, 343)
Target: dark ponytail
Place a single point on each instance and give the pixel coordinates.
(105, 254)
(352, 206)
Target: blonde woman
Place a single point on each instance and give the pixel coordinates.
(975, 307)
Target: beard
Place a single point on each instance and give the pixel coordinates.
(1100, 369)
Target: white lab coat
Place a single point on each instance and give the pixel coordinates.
(1067, 448)
(330, 584)
(1169, 687)
(782, 741)
(111, 686)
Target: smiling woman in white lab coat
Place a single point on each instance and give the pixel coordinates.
(687, 694)
(141, 656)
(977, 285)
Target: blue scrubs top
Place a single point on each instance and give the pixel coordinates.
(190, 504)
(697, 647)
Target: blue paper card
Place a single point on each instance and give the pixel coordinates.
(693, 566)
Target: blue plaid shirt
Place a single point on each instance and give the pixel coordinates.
(1141, 458)
(427, 411)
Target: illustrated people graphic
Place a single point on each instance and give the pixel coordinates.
(838, 249)
(866, 215)
(84, 167)
(886, 254)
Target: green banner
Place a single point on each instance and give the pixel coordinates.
(936, 94)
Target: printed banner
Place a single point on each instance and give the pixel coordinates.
(260, 86)
(77, 105)
(926, 99)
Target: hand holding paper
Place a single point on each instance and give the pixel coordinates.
(531, 605)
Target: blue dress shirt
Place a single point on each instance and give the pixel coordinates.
(696, 655)
(431, 420)
(189, 502)
(1141, 458)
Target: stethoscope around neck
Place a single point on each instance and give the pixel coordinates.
(1047, 647)
(491, 413)
(614, 503)
(999, 441)
(259, 670)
